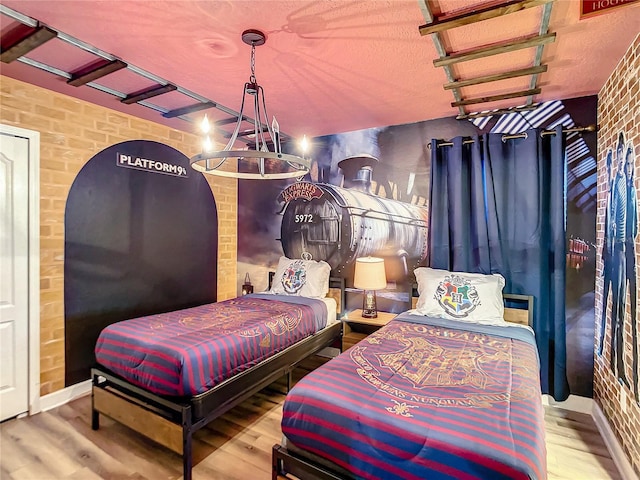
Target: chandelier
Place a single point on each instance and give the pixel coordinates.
(267, 149)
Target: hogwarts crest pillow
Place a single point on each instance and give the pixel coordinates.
(463, 296)
(306, 278)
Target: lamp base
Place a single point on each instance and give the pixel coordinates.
(369, 313)
(369, 308)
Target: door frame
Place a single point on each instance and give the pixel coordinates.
(34, 261)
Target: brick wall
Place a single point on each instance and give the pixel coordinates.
(618, 111)
(71, 132)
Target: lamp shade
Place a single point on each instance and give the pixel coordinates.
(370, 274)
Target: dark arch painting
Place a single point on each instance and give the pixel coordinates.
(141, 237)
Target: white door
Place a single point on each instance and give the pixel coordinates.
(14, 274)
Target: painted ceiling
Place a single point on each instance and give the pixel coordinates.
(328, 66)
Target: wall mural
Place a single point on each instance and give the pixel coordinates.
(371, 191)
(141, 237)
(367, 194)
(619, 263)
(340, 224)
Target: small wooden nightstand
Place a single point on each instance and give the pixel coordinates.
(356, 327)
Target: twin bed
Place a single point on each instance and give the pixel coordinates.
(168, 375)
(447, 390)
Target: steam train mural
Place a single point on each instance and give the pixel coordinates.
(339, 224)
(348, 208)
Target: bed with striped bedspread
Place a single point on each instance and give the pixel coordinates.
(187, 352)
(426, 398)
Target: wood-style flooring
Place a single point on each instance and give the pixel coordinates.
(59, 444)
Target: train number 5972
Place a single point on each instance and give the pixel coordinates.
(304, 218)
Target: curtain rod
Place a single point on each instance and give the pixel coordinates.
(588, 128)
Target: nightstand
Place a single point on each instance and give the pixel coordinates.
(355, 327)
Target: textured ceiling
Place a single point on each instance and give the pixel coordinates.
(328, 66)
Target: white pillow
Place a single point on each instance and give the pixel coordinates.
(471, 297)
(306, 278)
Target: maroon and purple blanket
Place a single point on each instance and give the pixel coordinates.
(187, 352)
(429, 399)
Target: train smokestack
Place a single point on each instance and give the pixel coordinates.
(358, 171)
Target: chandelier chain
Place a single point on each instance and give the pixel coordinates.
(252, 78)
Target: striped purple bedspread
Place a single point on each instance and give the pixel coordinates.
(421, 400)
(187, 352)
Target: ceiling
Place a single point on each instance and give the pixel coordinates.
(328, 66)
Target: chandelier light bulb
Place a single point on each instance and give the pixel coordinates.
(207, 144)
(304, 145)
(205, 126)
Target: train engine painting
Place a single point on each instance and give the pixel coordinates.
(339, 224)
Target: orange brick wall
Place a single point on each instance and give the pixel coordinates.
(71, 132)
(618, 111)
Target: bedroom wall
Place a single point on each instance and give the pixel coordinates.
(72, 132)
(618, 112)
(281, 222)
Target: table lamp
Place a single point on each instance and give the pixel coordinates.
(246, 286)
(369, 277)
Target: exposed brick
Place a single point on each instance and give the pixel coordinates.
(81, 144)
(130, 133)
(97, 136)
(52, 113)
(10, 102)
(35, 122)
(618, 106)
(176, 135)
(45, 387)
(71, 133)
(65, 103)
(139, 125)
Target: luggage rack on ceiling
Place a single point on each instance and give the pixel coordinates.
(436, 25)
(21, 39)
(581, 177)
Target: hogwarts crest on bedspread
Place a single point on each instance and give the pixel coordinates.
(425, 364)
(189, 351)
(437, 414)
(237, 316)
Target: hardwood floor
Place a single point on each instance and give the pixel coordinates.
(575, 449)
(59, 444)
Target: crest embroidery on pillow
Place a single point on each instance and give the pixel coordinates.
(294, 277)
(456, 296)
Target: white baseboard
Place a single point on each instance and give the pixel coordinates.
(65, 395)
(574, 403)
(614, 447)
(589, 406)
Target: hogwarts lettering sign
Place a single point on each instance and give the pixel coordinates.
(589, 8)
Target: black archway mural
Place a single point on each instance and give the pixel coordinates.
(141, 237)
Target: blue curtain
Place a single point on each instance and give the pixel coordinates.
(499, 207)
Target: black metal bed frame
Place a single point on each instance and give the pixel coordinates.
(193, 413)
(286, 461)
